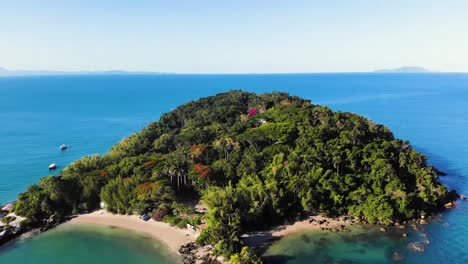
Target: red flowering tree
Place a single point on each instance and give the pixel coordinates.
(252, 112)
(202, 170)
(196, 151)
(200, 175)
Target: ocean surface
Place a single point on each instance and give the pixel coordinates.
(91, 113)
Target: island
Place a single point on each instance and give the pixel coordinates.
(25, 73)
(406, 69)
(239, 162)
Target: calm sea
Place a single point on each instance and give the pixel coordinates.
(91, 113)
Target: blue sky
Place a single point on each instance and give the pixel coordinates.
(208, 36)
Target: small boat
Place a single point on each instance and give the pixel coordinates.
(63, 147)
(52, 166)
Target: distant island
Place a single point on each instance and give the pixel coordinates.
(238, 162)
(407, 69)
(5, 72)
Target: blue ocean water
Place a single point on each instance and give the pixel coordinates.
(91, 113)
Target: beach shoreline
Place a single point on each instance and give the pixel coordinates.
(175, 239)
(170, 236)
(318, 223)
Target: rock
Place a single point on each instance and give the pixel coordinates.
(8, 208)
(405, 235)
(463, 197)
(4, 233)
(450, 205)
(193, 254)
(423, 222)
(383, 229)
(417, 247)
(423, 216)
(397, 256)
(186, 251)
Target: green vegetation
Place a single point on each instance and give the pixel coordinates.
(254, 160)
(7, 219)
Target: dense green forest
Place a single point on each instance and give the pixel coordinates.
(254, 160)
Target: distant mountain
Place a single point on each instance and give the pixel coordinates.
(407, 69)
(5, 72)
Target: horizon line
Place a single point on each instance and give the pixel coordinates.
(24, 73)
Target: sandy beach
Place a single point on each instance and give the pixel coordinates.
(173, 237)
(312, 223)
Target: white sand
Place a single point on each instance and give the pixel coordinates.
(260, 237)
(171, 236)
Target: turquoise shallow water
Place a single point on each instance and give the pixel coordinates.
(358, 246)
(364, 245)
(91, 113)
(87, 244)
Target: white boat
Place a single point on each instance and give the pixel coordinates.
(52, 166)
(63, 147)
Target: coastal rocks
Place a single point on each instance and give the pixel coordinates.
(5, 235)
(399, 226)
(188, 253)
(323, 221)
(8, 233)
(415, 227)
(16, 226)
(383, 229)
(463, 197)
(331, 224)
(50, 223)
(423, 222)
(10, 226)
(397, 257)
(193, 254)
(342, 228)
(416, 247)
(449, 205)
(7, 208)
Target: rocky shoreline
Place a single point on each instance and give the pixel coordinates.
(14, 226)
(192, 253)
(10, 226)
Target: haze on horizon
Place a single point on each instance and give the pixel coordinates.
(210, 36)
